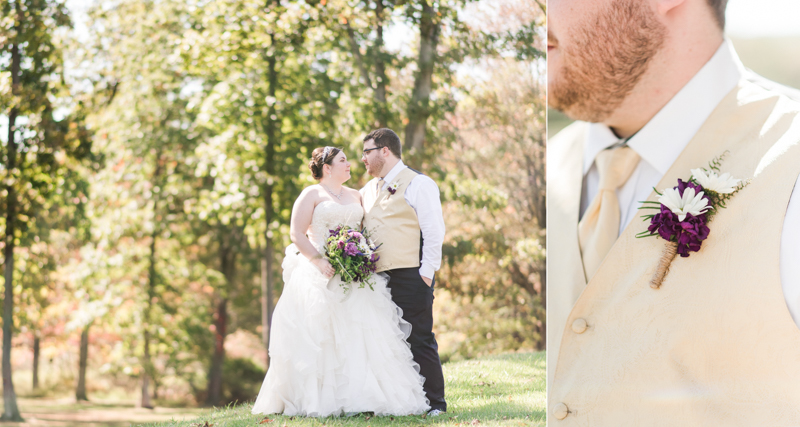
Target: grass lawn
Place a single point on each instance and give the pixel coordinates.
(504, 390)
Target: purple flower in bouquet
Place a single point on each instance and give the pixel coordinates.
(352, 256)
(351, 249)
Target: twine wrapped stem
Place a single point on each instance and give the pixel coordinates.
(670, 251)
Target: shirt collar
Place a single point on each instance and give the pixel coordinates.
(664, 137)
(395, 170)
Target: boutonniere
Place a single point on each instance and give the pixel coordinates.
(685, 211)
(393, 187)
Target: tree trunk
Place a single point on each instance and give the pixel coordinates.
(80, 392)
(543, 328)
(146, 402)
(36, 362)
(354, 49)
(418, 105)
(379, 96)
(214, 395)
(11, 411)
(272, 133)
(227, 258)
(266, 303)
(147, 363)
(381, 111)
(535, 165)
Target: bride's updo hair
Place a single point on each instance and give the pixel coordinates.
(319, 157)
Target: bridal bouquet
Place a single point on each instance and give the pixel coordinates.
(353, 255)
(685, 210)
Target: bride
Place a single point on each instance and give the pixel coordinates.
(331, 352)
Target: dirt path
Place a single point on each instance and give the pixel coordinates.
(67, 413)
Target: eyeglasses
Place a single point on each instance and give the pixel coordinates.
(370, 149)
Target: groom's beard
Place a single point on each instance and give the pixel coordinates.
(605, 60)
(375, 167)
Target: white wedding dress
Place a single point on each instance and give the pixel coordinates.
(333, 353)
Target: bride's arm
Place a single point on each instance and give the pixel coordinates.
(302, 212)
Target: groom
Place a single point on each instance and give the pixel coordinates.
(404, 215)
(660, 91)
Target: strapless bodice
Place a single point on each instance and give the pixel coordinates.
(328, 215)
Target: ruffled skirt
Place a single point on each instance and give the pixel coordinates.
(334, 352)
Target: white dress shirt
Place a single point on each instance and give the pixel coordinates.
(660, 142)
(422, 195)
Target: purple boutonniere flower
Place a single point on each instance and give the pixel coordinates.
(684, 212)
(393, 187)
(690, 231)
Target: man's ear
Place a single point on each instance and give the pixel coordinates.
(663, 7)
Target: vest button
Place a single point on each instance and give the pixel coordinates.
(560, 411)
(579, 326)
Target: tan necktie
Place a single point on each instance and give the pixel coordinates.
(378, 186)
(599, 227)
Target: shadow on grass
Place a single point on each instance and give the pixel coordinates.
(66, 422)
(45, 407)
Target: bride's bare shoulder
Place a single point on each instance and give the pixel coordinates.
(352, 191)
(311, 193)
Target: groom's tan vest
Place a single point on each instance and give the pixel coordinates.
(393, 224)
(715, 345)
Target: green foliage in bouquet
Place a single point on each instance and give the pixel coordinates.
(352, 255)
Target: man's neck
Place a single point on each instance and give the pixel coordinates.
(670, 70)
(388, 166)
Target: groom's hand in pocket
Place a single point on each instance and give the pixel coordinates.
(426, 280)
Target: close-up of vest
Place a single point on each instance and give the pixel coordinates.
(716, 340)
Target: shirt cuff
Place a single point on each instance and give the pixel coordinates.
(426, 270)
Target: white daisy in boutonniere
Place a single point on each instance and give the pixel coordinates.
(393, 187)
(710, 181)
(686, 210)
(684, 204)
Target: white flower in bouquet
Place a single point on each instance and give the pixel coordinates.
(722, 184)
(363, 246)
(690, 203)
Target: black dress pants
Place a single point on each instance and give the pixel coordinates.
(415, 298)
